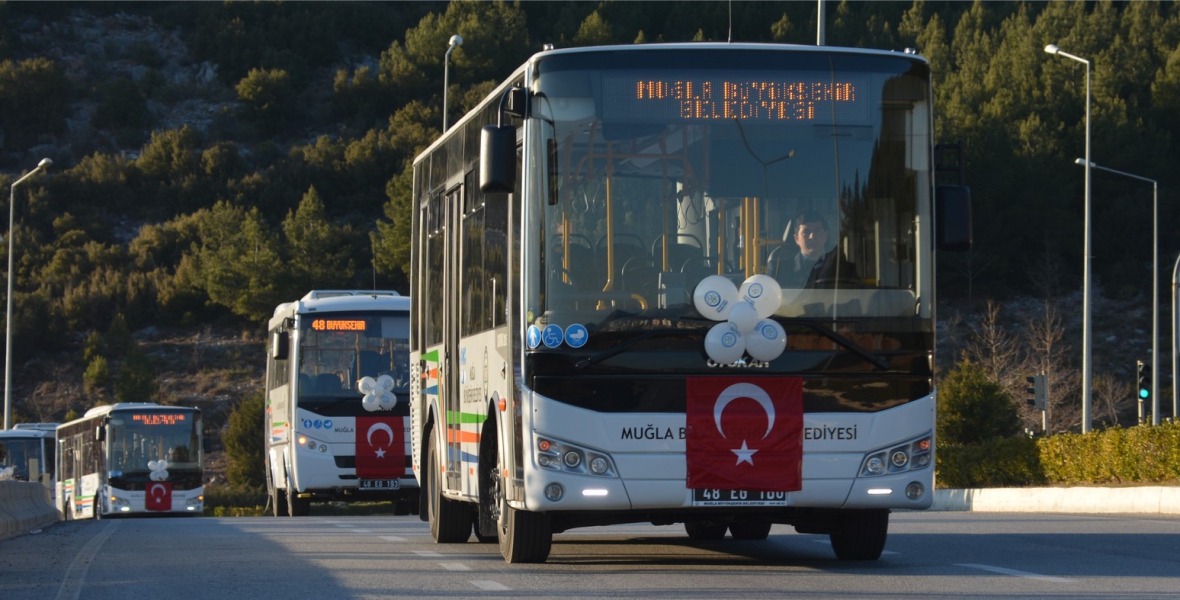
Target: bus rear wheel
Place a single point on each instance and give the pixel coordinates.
(704, 531)
(749, 530)
(450, 520)
(861, 534)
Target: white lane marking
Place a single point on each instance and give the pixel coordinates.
(427, 553)
(1015, 573)
(489, 585)
(71, 585)
(393, 538)
(454, 566)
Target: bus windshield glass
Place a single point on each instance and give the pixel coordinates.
(17, 452)
(137, 438)
(337, 349)
(658, 169)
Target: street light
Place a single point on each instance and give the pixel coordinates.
(456, 40)
(44, 164)
(1175, 335)
(1087, 337)
(1155, 292)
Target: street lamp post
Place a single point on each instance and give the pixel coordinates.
(1087, 337)
(1175, 335)
(44, 164)
(1155, 292)
(456, 40)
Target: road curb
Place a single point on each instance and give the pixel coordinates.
(1092, 500)
(24, 506)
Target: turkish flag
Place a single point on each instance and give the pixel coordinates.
(158, 496)
(745, 433)
(380, 448)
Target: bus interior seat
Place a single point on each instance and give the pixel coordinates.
(327, 382)
(640, 276)
(678, 252)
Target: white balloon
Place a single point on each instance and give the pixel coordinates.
(388, 400)
(767, 340)
(385, 383)
(743, 316)
(714, 296)
(152, 465)
(371, 402)
(724, 343)
(764, 292)
(367, 385)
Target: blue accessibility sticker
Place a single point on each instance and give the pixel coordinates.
(534, 336)
(552, 336)
(576, 335)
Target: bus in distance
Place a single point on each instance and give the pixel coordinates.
(131, 458)
(27, 452)
(681, 284)
(337, 381)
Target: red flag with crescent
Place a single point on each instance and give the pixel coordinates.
(745, 433)
(158, 495)
(380, 447)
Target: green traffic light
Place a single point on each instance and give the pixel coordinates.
(1144, 393)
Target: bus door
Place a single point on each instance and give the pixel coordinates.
(450, 395)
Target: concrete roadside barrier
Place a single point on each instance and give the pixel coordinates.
(24, 506)
(1092, 500)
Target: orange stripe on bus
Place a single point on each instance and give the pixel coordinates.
(463, 437)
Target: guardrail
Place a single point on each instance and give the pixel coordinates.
(24, 506)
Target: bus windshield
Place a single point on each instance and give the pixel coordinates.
(138, 438)
(659, 169)
(17, 452)
(337, 349)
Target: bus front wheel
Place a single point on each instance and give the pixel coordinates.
(296, 506)
(525, 537)
(861, 534)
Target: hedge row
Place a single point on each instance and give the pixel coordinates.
(1115, 456)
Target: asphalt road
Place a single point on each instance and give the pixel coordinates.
(928, 555)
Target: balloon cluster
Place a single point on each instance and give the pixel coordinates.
(747, 326)
(378, 393)
(159, 469)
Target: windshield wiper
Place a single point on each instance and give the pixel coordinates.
(605, 354)
(848, 344)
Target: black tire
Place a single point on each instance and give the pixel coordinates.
(278, 502)
(704, 531)
(749, 530)
(450, 520)
(296, 506)
(861, 536)
(524, 536)
(401, 508)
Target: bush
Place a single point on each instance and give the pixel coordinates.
(973, 409)
(1001, 462)
(244, 444)
(234, 501)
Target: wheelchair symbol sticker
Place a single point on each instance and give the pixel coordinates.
(552, 336)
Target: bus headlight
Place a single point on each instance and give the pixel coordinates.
(557, 455)
(910, 456)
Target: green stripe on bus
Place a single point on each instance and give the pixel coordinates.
(458, 418)
(431, 356)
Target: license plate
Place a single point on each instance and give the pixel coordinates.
(379, 484)
(716, 497)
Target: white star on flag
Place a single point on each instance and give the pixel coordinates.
(381, 453)
(744, 454)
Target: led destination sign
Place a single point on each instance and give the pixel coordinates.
(338, 325)
(158, 418)
(727, 98)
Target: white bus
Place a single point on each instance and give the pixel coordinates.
(613, 326)
(131, 458)
(337, 386)
(28, 450)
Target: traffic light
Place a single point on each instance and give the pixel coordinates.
(1144, 379)
(1036, 391)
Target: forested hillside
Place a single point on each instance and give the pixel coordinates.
(212, 160)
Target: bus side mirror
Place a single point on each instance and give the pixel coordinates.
(280, 345)
(206, 445)
(497, 159)
(100, 433)
(952, 218)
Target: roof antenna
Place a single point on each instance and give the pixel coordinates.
(730, 22)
